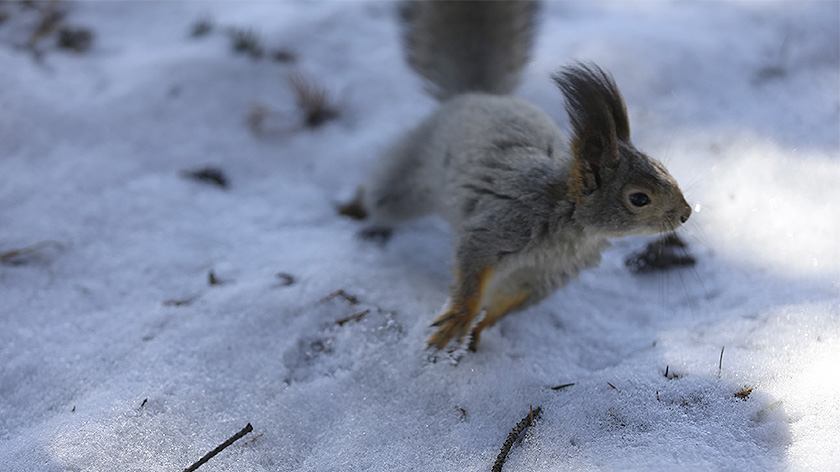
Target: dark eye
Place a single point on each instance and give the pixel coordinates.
(639, 199)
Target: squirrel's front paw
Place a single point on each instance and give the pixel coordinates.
(452, 324)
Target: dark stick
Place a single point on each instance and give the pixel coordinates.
(247, 429)
(354, 317)
(514, 434)
(341, 293)
(720, 362)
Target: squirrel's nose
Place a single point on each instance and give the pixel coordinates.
(686, 213)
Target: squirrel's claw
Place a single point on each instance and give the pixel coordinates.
(438, 322)
(452, 324)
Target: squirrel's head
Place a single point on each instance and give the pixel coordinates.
(617, 189)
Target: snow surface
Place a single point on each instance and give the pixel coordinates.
(101, 370)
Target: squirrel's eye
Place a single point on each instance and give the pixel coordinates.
(639, 199)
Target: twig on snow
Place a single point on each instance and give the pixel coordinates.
(341, 293)
(671, 375)
(247, 429)
(24, 255)
(285, 279)
(354, 317)
(512, 437)
(208, 175)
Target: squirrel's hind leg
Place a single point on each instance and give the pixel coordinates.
(498, 305)
(466, 302)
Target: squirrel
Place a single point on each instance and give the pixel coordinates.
(529, 208)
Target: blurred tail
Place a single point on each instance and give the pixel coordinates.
(469, 46)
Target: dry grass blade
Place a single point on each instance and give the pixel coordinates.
(354, 317)
(670, 375)
(246, 41)
(209, 175)
(285, 279)
(253, 439)
(178, 302)
(341, 293)
(313, 100)
(51, 17)
(201, 27)
(744, 394)
(25, 255)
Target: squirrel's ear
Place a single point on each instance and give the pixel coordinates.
(598, 116)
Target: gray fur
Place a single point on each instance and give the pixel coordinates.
(521, 198)
(466, 46)
(496, 168)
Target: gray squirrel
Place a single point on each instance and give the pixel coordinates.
(529, 208)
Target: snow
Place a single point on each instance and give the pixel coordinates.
(103, 370)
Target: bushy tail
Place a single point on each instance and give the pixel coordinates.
(469, 46)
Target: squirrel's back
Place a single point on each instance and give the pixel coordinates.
(465, 46)
(494, 140)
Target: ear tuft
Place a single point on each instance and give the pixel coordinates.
(597, 113)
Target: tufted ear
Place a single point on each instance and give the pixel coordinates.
(599, 120)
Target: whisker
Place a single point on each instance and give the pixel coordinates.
(689, 298)
(667, 153)
(701, 239)
(684, 251)
(691, 187)
(664, 281)
(681, 249)
(700, 281)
